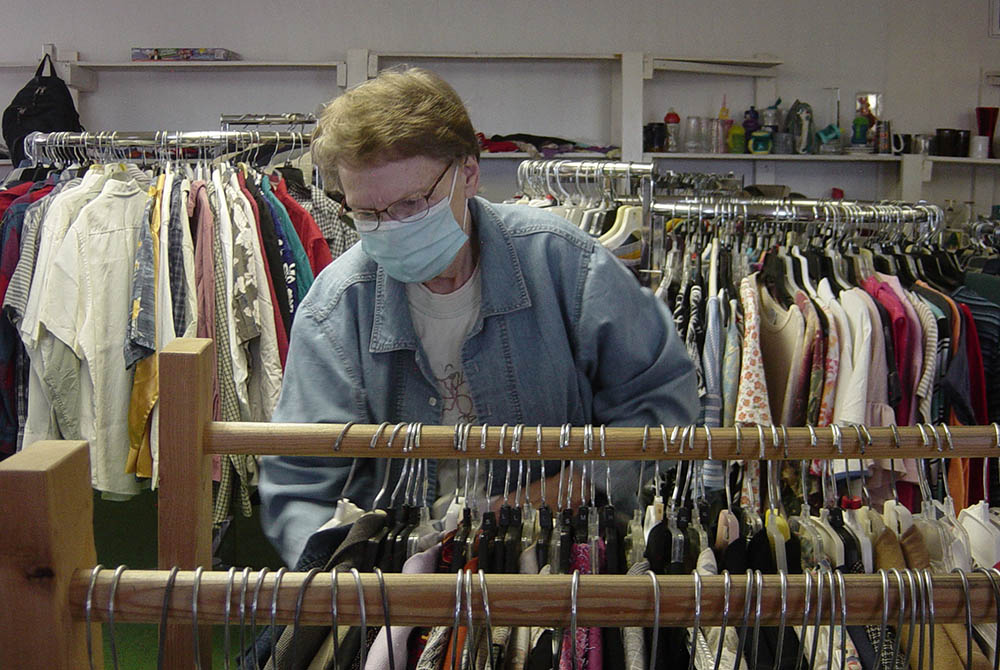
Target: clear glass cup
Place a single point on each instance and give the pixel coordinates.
(694, 135)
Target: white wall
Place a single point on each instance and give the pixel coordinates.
(926, 56)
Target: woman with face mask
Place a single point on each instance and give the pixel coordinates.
(455, 309)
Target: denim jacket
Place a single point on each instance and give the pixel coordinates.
(564, 334)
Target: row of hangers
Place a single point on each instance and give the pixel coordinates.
(914, 591)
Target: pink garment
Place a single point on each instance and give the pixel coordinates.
(883, 293)
(204, 273)
(808, 389)
(589, 645)
(914, 356)
(831, 368)
(752, 404)
(878, 413)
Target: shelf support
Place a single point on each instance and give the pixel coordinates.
(357, 66)
(630, 131)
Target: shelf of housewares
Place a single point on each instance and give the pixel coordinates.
(82, 75)
(365, 63)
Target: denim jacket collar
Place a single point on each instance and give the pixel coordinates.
(503, 285)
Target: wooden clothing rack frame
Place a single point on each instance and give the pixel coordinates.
(47, 552)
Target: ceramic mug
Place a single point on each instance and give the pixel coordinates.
(902, 143)
(946, 142)
(922, 144)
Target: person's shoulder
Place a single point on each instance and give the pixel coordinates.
(349, 275)
(523, 221)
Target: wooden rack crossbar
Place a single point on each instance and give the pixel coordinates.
(621, 444)
(47, 551)
(515, 600)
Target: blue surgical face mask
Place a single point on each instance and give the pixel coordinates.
(417, 251)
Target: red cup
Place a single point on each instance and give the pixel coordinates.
(986, 119)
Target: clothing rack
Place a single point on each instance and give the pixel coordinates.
(47, 558)
(289, 119)
(799, 209)
(47, 554)
(116, 145)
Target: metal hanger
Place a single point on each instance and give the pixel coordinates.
(929, 585)
(902, 609)
(298, 615)
(818, 616)
(759, 583)
(459, 580)
(922, 595)
(470, 629)
(697, 618)
(196, 638)
(884, 627)
(574, 589)
(385, 615)
(274, 613)
(833, 624)
(747, 598)
(968, 618)
(388, 467)
(89, 608)
(335, 614)
(361, 610)
(253, 611)
(656, 617)
(162, 638)
(111, 613)
(727, 584)
(806, 601)
(989, 572)
(485, 594)
(784, 616)
(230, 578)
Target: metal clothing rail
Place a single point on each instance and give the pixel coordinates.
(289, 119)
(796, 209)
(47, 569)
(49, 145)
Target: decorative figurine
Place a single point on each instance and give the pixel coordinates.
(799, 122)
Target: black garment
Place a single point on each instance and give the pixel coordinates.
(274, 263)
(895, 383)
(540, 656)
(756, 555)
(956, 384)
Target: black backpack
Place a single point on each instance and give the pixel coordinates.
(44, 104)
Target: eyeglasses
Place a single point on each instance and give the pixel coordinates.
(406, 210)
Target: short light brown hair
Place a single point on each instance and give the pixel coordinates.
(402, 113)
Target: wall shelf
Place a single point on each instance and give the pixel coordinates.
(963, 160)
(211, 65)
(820, 158)
(523, 155)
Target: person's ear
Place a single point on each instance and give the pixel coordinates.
(470, 176)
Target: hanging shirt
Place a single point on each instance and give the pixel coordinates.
(305, 227)
(731, 364)
(271, 259)
(782, 335)
(62, 212)
(264, 384)
(753, 404)
(87, 287)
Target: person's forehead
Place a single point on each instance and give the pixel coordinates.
(376, 186)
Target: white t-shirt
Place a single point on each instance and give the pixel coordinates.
(443, 321)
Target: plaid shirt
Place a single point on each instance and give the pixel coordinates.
(329, 216)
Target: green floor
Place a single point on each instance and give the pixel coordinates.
(125, 533)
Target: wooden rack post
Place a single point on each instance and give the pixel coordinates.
(46, 534)
(184, 528)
